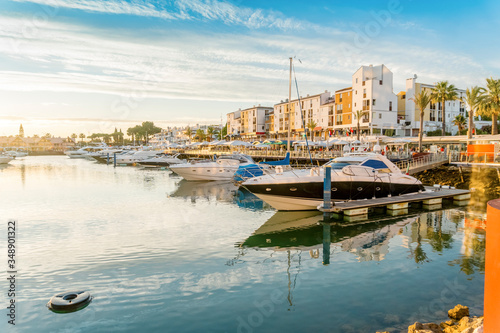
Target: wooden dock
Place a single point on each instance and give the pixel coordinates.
(398, 205)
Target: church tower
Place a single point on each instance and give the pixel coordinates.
(21, 131)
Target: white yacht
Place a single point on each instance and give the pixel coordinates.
(4, 158)
(223, 168)
(17, 152)
(102, 156)
(135, 156)
(83, 152)
(162, 160)
(354, 177)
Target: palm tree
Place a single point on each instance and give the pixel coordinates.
(474, 99)
(359, 114)
(461, 122)
(421, 100)
(311, 125)
(211, 131)
(189, 133)
(82, 136)
(491, 102)
(443, 92)
(200, 134)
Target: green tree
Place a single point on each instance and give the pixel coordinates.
(359, 114)
(491, 103)
(148, 129)
(74, 136)
(474, 99)
(211, 131)
(443, 92)
(82, 137)
(189, 133)
(421, 100)
(311, 125)
(460, 122)
(223, 133)
(200, 135)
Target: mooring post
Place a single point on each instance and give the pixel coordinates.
(327, 192)
(107, 160)
(114, 160)
(326, 242)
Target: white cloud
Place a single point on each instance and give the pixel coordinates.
(211, 10)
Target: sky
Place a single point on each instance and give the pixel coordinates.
(88, 66)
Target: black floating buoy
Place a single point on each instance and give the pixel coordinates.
(69, 301)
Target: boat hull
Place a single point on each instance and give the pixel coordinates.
(203, 173)
(307, 196)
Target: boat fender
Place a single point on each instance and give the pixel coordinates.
(279, 169)
(69, 301)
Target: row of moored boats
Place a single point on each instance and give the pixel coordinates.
(354, 176)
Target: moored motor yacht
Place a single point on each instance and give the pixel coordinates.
(162, 161)
(4, 158)
(135, 156)
(223, 168)
(83, 152)
(17, 152)
(102, 156)
(354, 177)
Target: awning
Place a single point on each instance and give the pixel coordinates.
(319, 128)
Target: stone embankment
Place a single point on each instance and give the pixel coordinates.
(460, 322)
(484, 183)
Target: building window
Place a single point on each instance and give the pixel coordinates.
(380, 82)
(354, 104)
(390, 106)
(356, 80)
(380, 116)
(403, 97)
(373, 102)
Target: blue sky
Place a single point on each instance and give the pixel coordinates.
(72, 66)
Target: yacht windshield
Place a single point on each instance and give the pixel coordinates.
(341, 162)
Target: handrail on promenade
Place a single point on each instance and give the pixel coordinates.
(422, 161)
(266, 153)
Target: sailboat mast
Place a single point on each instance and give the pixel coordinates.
(289, 107)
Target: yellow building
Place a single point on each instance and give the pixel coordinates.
(343, 109)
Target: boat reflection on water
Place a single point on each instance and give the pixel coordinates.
(220, 192)
(307, 231)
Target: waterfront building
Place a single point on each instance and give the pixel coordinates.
(37, 144)
(343, 112)
(372, 94)
(249, 123)
(432, 114)
(312, 111)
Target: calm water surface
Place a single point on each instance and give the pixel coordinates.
(163, 255)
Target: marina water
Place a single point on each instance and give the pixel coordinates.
(164, 255)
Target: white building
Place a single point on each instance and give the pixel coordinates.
(433, 114)
(373, 94)
(311, 106)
